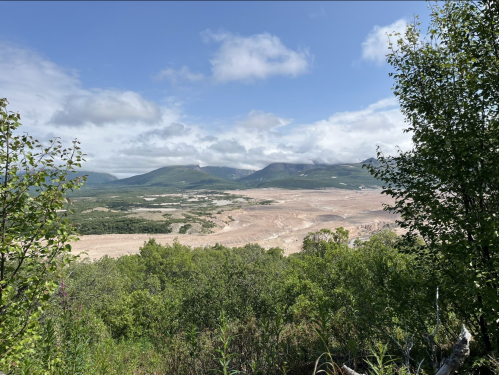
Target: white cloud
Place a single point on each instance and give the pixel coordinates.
(228, 146)
(262, 121)
(34, 86)
(124, 133)
(170, 131)
(182, 74)
(258, 56)
(343, 137)
(101, 107)
(170, 150)
(350, 136)
(52, 103)
(375, 46)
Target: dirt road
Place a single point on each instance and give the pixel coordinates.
(283, 224)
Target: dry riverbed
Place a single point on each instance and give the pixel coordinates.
(282, 224)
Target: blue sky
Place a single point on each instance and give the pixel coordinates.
(242, 84)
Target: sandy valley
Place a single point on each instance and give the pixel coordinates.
(283, 224)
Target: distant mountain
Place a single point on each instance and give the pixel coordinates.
(180, 177)
(227, 173)
(374, 161)
(342, 176)
(278, 175)
(275, 171)
(94, 178)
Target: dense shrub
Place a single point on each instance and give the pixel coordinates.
(174, 309)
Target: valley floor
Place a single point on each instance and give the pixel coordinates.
(282, 224)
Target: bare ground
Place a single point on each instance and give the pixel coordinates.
(283, 224)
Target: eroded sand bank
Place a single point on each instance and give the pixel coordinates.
(283, 224)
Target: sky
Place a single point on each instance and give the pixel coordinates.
(144, 85)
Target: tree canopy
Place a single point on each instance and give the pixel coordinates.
(446, 188)
(34, 232)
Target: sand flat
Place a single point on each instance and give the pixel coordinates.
(283, 224)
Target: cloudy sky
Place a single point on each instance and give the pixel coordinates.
(242, 84)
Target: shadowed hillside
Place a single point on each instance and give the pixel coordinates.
(342, 176)
(274, 171)
(95, 178)
(228, 173)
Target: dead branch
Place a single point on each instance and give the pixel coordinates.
(460, 352)
(348, 371)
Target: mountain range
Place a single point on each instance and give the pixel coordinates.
(96, 178)
(276, 175)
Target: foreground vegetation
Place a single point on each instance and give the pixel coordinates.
(179, 310)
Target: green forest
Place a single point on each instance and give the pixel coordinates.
(388, 305)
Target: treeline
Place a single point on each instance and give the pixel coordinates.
(99, 224)
(122, 225)
(181, 310)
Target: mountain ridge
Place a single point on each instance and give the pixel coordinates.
(228, 172)
(94, 178)
(276, 175)
(275, 171)
(178, 176)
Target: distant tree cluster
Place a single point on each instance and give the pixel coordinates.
(123, 226)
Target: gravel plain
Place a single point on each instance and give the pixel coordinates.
(282, 224)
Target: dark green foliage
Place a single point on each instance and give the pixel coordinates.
(184, 228)
(208, 224)
(122, 225)
(321, 242)
(34, 238)
(447, 187)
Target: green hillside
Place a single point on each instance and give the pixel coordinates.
(342, 176)
(95, 178)
(227, 173)
(179, 177)
(279, 175)
(274, 171)
(370, 160)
